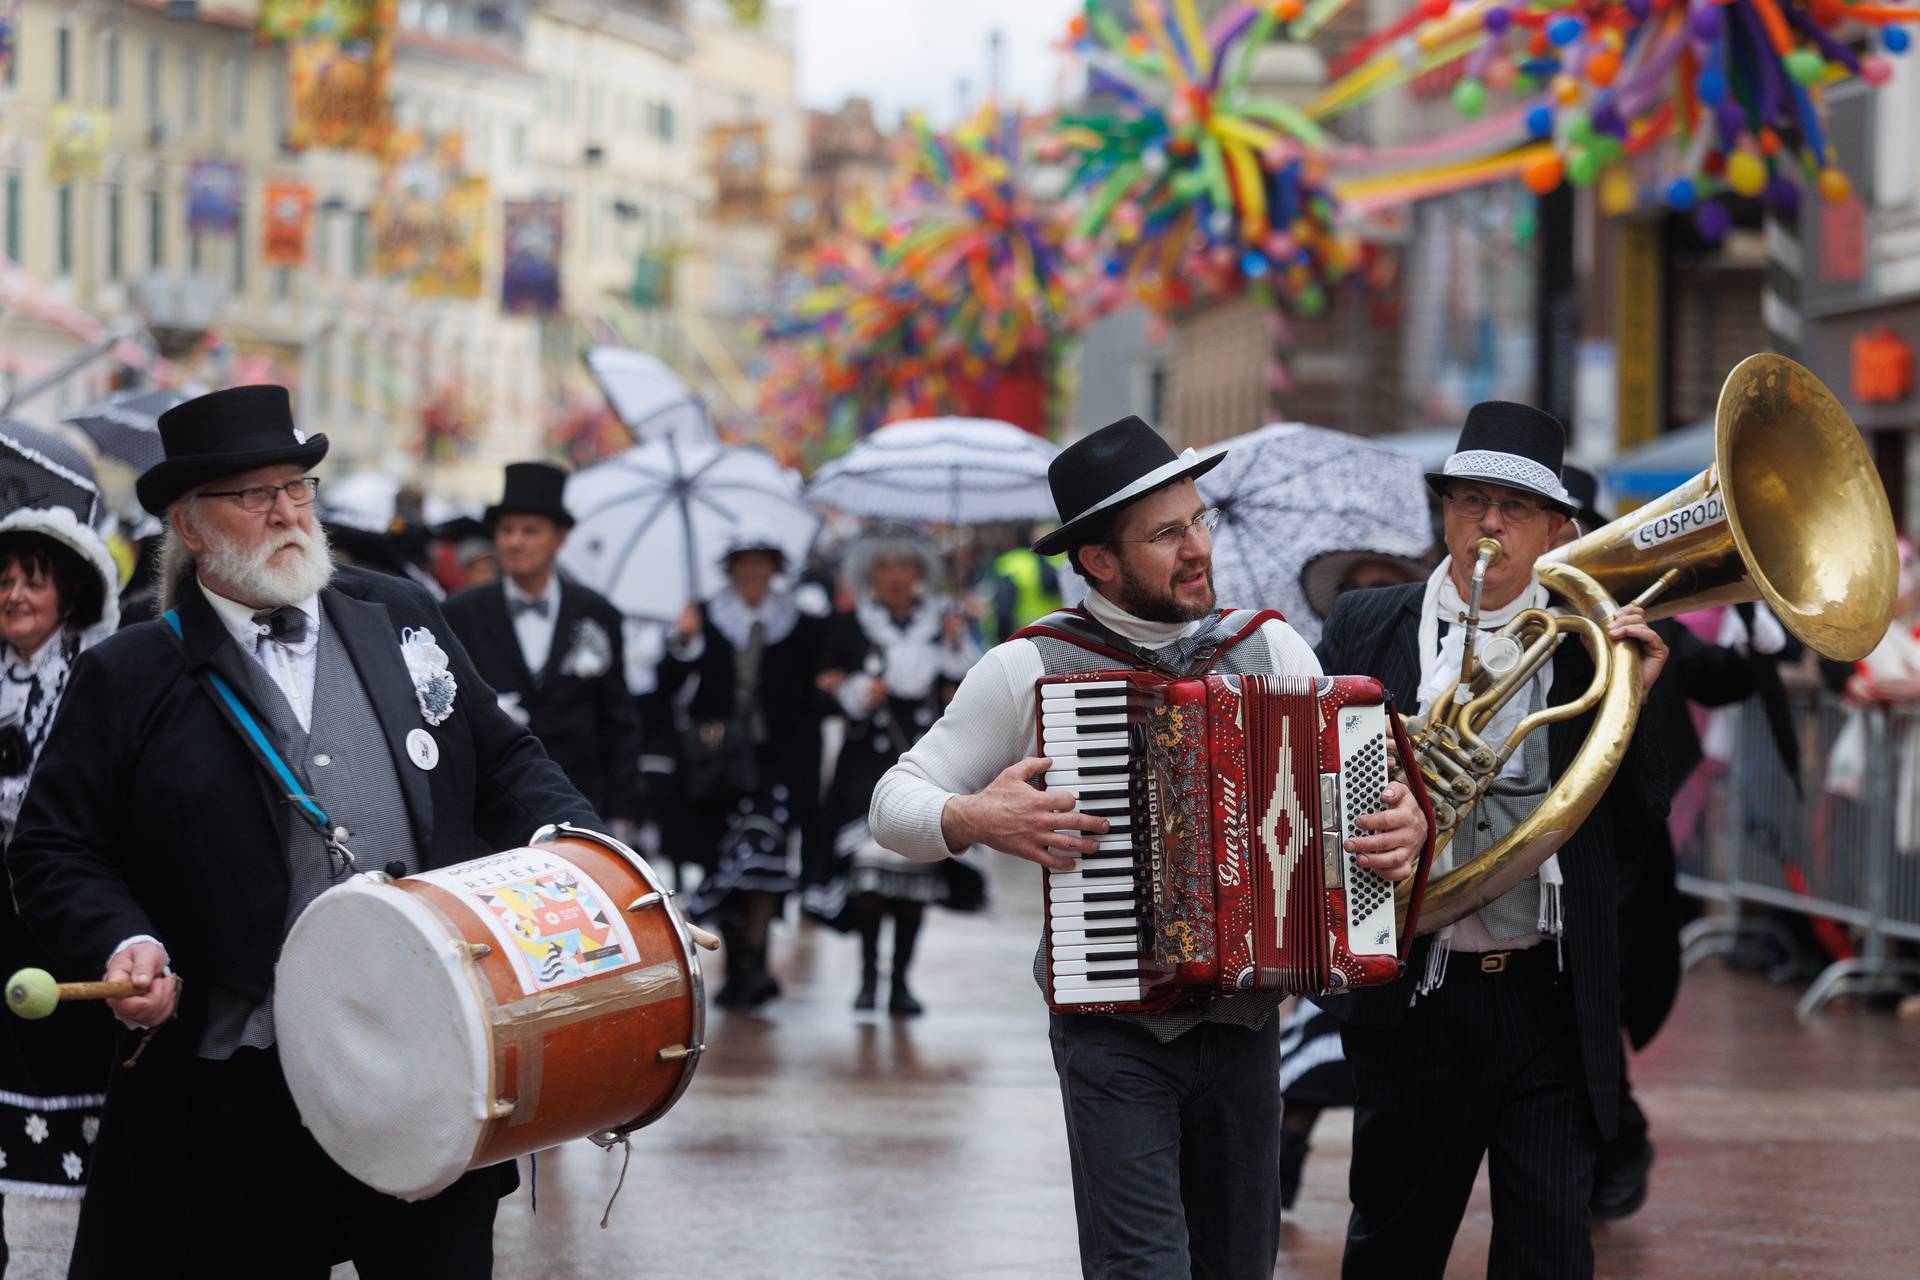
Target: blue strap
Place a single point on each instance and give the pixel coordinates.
(262, 748)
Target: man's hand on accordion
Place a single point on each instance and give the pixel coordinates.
(1402, 829)
(1013, 816)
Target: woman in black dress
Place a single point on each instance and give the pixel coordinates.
(892, 662)
(59, 593)
(741, 668)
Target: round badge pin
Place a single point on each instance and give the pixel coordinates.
(422, 749)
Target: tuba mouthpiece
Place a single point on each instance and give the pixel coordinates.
(1487, 550)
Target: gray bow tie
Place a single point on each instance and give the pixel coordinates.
(1181, 652)
(285, 625)
(538, 608)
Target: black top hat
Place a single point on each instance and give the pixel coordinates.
(1515, 445)
(1584, 488)
(1105, 471)
(533, 488)
(224, 433)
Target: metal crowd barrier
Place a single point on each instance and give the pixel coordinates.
(1846, 853)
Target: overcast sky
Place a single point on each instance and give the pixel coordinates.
(907, 54)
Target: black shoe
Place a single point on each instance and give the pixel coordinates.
(733, 993)
(1293, 1158)
(901, 1003)
(869, 995)
(1620, 1185)
(762, 987)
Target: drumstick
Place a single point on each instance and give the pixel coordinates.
(32, 993)
(701, 938)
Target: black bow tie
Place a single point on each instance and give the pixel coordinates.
(538, 608)
(287, 625)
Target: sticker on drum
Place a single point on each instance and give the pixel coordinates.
(552, 920)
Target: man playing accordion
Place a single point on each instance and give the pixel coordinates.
(1172, 1116)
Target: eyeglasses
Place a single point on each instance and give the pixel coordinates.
(1174, 536)
(258, 499)
(1512, 510)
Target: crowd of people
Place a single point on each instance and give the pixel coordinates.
(839, 740)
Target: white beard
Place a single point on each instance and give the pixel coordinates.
(250, 576)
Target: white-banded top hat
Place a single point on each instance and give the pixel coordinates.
(1117, 464)
(1509, 444)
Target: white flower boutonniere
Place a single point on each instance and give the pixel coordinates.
(433, 684)
(589, 653)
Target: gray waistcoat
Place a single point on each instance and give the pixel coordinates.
(359, 790)
(1251, 656)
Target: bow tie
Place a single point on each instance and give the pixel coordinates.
(285, 625)
(1180, 653)
(538, 608)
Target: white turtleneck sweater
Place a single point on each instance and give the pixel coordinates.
(989, 726)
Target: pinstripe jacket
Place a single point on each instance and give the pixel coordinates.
(1375, 633)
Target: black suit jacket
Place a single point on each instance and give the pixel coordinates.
(148, 814)
(1376, 633)
(590, 725)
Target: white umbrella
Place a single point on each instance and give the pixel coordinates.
(954, 471)
(647, 396)
(653, 522)
(369, 500)
(1289, 493)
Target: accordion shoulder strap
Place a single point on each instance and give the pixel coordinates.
(1079, 628)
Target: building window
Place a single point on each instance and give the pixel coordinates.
(110, 68)
(153, 82)
(663, 122)
(15, 231)
(62, 63)
(156, 230)
(519, 144)
(63, 231)
(282, 283)
(190, 88)
(195, 253)
(362, 242)
(357, 372)
(236, 95)
(323, 376)
(116, 256)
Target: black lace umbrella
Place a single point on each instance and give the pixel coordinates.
(127, 427)
(38, 469)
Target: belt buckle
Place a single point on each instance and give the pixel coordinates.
(1494, 961)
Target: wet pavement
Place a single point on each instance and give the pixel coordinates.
(815, 1143)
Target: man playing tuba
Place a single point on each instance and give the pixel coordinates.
(1503, 1037)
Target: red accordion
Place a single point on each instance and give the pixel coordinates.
(1231, 799)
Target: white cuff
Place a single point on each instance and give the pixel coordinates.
(853, 693)
(166, 966)
(689, 650)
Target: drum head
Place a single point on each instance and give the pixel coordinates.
(383, 1038)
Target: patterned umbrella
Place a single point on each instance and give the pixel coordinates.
(42, 470)
(647, 396)
(1289, 493)
(653, 522)
(955, 471)
(127, 427)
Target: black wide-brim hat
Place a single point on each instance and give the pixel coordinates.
(1584, 488)
(224, 433)
(533, 489)
(1509, 444)
(1320, 577)
(1100, 473)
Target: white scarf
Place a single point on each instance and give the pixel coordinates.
(733, 617)
(913, 655)
(1439, 667)
(46, 671)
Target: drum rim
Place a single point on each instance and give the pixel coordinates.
(690, 955)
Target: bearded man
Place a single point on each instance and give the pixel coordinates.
(1173, 1118)
(161, 843)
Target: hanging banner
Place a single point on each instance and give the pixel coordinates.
(455, 268)
(289, 218)
(737, 158)
(652, 279)
(76, 142)
(341, 21)
(530, 273)
(214, 196)
(9, 33)
(339, 96)
(418, 172)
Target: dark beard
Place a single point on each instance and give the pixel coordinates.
(1150, 604)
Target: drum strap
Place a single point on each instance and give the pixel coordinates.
(278, 773)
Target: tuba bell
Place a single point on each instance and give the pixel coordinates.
(1791, 513)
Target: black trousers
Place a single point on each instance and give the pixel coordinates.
(265, 1200)
(1487, 1065)
(1175, 1148)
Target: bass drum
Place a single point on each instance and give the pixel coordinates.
(457, 1018)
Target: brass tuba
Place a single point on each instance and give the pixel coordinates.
(1791, 512)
